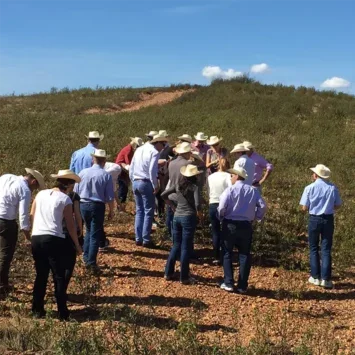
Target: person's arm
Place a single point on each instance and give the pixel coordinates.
(260, 208)
(33, 211)
(305, 202)
(109, 196)
(338, 201)
(78, 218)
(267, 168)
(69, 222)
(72, 163)
(153, 171)
(24, 214)
(223, 204)
(131, 169)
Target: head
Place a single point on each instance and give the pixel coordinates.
(224, 164)
(236, 178)
(159, 146)
(239, 154)
(136, 142)
(250, 148)
(315, 177)
(32, 182)
(94, 141)
(200, 143)
(99, 161)
(64, 185)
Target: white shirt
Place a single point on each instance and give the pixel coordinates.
(15, 199)
(217, 183)
(248, 165)
(114, 170)
(48, 219)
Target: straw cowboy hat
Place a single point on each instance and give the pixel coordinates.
(137, 141)
(248, 145)
(322, 171)
(183, 147)
(186, 138)
(189, 170)
(238, 171)
(159, 138)
(152, 133)
(239, 148)
(99, 153)
(95, 135)
(163, 133)
(214, 140)
(66, 174)
(200, 136)
(38, 176)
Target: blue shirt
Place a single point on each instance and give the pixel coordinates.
(241, 202)
(144, 164)
(82, 159)
(320, 197)
(95, 186)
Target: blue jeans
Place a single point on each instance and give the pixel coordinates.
(145, 203)
(239, 234)
(183, 237)
(216, 229)
(93, 214)
(169, 220)
(122, 190)
(321, 226)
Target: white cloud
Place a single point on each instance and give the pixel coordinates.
(259, 68)
(335, 83)
(215, 72)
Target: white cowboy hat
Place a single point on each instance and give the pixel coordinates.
(248, 145)
(200, 136)
(239, 148)
(99, 153)
(159, 138)
(163, 133)
(152, 133)
(189, 170)
(183, 147)
(322, 171)
(238, 171)
(214, 140)
(66, 174)
(38, 176)
(95, 135)
(137, 141)
(186, 138)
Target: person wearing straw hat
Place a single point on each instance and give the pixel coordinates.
(200, 146)
(15, 199)
(143, 173)
(239, 206)
(185, 138)
(151, 134)
(186, 210)
(261, 165)
(214, 154)
(321, 199)
(95, 191)
(49, 246)
(82, 159)
(244, 162)
(124, 159)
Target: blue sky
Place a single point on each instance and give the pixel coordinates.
(73, 43)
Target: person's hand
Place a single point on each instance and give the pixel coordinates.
(79, 250)
(156, 190)
(111, 214)
(173, 207)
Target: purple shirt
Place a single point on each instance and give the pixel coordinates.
(260, 164)
(200, 149)
(241, 202)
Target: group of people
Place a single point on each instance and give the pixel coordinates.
(168, 180)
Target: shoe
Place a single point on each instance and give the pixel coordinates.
(149, 245)
(217, 262)
(189, 281)
(107, 243)
(327, 284)
(241, 291)
(139, 244)
(314, 281)
(168, 278)
(39, 314)
(227, 288)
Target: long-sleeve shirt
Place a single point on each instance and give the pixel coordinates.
(114, 170)
(125, 155)
(260, 165)
(82, 159)
(15, 199)
(186, 205)
(248, 164)
(320, 197)
(241, 202)
(144, 165)
(95, 186)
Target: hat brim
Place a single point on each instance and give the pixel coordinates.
(236, 172)
(214, 143)
(99, 156)
(74, 177)
(101, 137)
(181, 151)
(38, 177)
(189, 140)
(183, 172)
(317, 173)
(161, 139)
(201, 139)
(196, 156)
(240, 150)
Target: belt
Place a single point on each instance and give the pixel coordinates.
(235, 221)
(99, 202)
(141, 180)
(321, 215)
(8, 220)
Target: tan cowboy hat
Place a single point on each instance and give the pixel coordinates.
(214, 140)
(95, 135)
(238, 171)
(159, 138)
(186, 138)
(200, 136)
(189, 170)
(100, 153)
(239, 148)
(183, 147)
(322, 171)
(66, 174)
(248, 145)
(152, 133)
(38, 176)
(163, 133)
(137, 141)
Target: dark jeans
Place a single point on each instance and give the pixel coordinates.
(183, 236)
(321, 227)
(48, 253)
(70, 260)
(122, 190)
(239, 234)
(160, 204)
(169, 220)
(216, 229)
(8, 241)
(93, 214)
